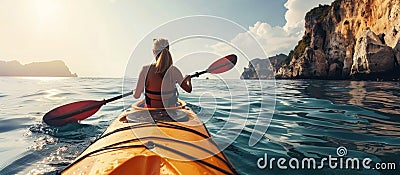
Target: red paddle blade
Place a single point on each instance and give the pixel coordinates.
(223, 64)
(72, 112)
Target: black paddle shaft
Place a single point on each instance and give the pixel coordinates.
(197, 74)
(118, 97)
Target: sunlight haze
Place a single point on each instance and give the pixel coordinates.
(95, 38)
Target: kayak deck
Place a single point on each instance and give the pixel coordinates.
(152, 141)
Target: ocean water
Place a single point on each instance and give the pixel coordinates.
(310, 119)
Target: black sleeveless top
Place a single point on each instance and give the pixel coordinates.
(169, 102)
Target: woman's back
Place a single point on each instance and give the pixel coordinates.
(159, 79)
(160, 87)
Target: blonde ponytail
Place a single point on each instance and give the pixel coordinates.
(164, 61)
(164, 58)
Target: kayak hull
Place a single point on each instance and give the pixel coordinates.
(146, 141)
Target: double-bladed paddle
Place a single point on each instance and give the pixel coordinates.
(81, 110)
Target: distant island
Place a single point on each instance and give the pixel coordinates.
(263, 68)
(55, 68)
(345, 40)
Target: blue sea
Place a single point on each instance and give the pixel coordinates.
(302, 119)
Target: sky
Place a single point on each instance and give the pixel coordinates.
(112, 38)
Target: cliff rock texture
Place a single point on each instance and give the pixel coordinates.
(48, 69)
(348, 39)
(263, 68)
(372, 56)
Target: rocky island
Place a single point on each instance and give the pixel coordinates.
(263, 68)
(349, 39)
(40, 69)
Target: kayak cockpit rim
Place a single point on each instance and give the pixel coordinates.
(138, 106)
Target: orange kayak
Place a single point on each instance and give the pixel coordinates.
(145, 141)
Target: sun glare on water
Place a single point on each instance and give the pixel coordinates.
(45, 78)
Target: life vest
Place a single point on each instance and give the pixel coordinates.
(170, 101)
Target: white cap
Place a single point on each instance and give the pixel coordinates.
(159, 44)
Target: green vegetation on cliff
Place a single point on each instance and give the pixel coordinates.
(300, 48)
(318, 14)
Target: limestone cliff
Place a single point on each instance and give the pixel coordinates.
(348, 39)
(48, 69)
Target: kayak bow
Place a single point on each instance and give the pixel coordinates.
(153, 141)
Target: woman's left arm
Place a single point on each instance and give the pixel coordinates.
(140, 83)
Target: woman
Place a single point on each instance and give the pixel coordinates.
(159, 79)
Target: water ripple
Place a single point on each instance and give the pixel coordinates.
(312, 118)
